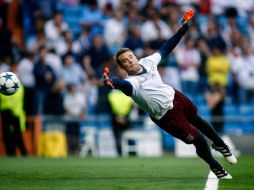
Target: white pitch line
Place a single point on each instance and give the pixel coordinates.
(212, 182)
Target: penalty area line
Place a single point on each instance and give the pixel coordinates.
(212, 182)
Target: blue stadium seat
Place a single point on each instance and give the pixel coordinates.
(167, 141)
(231, 110)
(201, 100)
(72, 16)
(247, 113)
(72, 12)
(204, 111)
(233, 127)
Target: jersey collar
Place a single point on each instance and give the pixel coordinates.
(141, 73)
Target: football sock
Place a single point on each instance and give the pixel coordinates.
(207, 130)
(203, 151)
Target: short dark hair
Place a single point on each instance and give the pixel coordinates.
(119, 52)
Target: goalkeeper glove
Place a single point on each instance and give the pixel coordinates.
(106, 80)
(188, 15)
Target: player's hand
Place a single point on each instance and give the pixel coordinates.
(188, 15)
(106, 80)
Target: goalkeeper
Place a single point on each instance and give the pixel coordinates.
(171, 110)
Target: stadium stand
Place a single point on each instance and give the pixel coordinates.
(231, 27)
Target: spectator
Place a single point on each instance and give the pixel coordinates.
(114, 32)
(243, 72)
(13, 120)
(217, 68)
(134, 41)
(69, 46)
(204, 51)
(54, 99)
(154, 29)
(133, 19)
(5, 42)
(43, 9)
(171, 14)
(169, 71)
(213, 35)
(92, 16)
(120, 106)
(3, 12)
(72, 72)
(232, 29)
(188, 59)
(83, 43)
(65, 43)
(44, 79)
(54, 30)
(250, 29)
(75, 109)
(26, 76)
(55, 62)
(94, 66)
(204, 7)
(215, 98)
(34, 43)
(93, 63)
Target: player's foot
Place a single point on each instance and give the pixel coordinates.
(221, 173)
(226, 152)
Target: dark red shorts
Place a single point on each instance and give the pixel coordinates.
(177, 120)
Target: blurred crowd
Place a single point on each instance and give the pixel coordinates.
(63, 46)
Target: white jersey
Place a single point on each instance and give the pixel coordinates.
(149, 92)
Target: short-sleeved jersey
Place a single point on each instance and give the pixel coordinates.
(149, 92)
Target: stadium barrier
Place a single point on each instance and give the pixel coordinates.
(101, 138)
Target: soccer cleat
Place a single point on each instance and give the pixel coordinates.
(226, 152)
(221, 173)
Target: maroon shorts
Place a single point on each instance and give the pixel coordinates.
(177, 120)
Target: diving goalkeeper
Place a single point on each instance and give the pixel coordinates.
(170, 109)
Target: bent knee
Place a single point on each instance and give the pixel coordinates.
(190, 139)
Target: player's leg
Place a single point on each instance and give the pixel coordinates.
(177, 125)
(204, 152)
(190, 112)
(18, 138)
(218, 144)
(206, 128)
(7, 133)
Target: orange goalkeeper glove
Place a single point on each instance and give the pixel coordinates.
(188, 15)
(106, 80)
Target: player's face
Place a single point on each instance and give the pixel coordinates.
(129, 62)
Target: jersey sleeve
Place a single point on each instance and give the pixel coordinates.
(152, 60)
(134, 82)
(123, 85)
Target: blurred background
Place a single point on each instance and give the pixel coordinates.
(59, 48)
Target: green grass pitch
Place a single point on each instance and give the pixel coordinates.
(133, 173)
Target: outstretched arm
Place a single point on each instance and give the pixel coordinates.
(171, 43)
(123, 85)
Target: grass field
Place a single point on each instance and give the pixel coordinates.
(132, 173)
